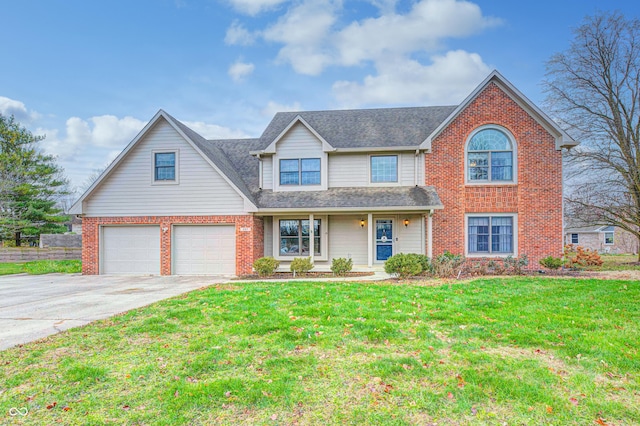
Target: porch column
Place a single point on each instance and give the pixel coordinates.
(430, 234)
(311, 237)
(370, 240)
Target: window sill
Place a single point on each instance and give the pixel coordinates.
(471, 183)
(489, 255)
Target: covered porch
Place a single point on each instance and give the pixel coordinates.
(368, 234)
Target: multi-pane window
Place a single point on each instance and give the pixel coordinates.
(490, 234)
(300, 171)
(295, 237)
(574, 238)
(608, 235)
(384, 168)
(490, 157)
(165, 166)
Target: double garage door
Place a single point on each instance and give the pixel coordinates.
(196, 250)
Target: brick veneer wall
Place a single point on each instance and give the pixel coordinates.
(536, 198)
(249, 244)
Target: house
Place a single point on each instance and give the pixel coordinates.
(483, 179)
(603, 239)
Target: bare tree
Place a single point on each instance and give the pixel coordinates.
(593, 88)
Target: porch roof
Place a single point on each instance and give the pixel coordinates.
(417, 198)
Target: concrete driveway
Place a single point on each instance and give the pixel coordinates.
(35, 306)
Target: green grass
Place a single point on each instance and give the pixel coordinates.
(491, 351)
(618, 262)
(39, 267)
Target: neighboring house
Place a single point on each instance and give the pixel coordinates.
(483, 178)
(603, 239)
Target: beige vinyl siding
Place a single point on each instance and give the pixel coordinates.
(409, 237)
(267, 173)
(268, 236)
(407, 169)
(348, 239)
(130, 190)
(347, 170)
(299, 142)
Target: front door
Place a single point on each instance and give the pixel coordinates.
(384, 239)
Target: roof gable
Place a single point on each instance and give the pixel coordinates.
(271, 149)
(213, 156)
(563, 140)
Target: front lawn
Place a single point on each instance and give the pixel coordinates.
(509, 350)
(39, 267)
(618, 262)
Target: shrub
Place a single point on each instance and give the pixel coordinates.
(404, 265)
(265, 266)
(301, 265)
(581, 257)
(515, 265)
(551, 262)
(447, 264)
(340, 265)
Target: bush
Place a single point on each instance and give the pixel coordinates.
(340, 265)
(551, 262)
(515, 265)
(301, 265)
(581, 257)
(447, 264)
(265, 266)
(404, 265)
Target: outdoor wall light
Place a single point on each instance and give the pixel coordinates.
(361, 223)
(406, 222)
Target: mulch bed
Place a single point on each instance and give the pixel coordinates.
(289, 275)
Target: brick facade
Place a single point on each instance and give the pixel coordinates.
(249, 244)
(536, 198)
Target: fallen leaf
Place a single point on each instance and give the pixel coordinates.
(549, 409)
(450, 395)
(227, 394)
(66, 408)
(125, 407)
(574, 401)
(274, 417)
(474, 411)
(176, 394)
(601, 422)
(30, 398)
(265, 393)
(52, 405)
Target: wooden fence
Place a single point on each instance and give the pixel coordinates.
(26, 254)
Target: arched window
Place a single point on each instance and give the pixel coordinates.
(490, 157)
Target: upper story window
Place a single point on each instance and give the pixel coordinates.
(384, 168)
(300, 171)
(490, 157)
(164, 166)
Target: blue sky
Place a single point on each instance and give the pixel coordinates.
(90, 74)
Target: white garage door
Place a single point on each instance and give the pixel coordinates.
(204, 250)
(131, 250)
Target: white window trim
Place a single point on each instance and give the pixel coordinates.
(514, 151)
(275, 166)
(514, 217)
(613, 238)
(176, 181)
(398, 181)
(324, 236)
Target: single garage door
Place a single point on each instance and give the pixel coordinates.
(204, 249)
(131, 250)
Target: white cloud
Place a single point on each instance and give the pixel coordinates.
(213, 131)
(239, 70)
(446, 81)
(237, 34)
(18, 109)
(304, 31)
(253, 7)
(273, 107)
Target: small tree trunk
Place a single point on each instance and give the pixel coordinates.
(17, 235)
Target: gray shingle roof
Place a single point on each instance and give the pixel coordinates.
(361, 197)
(365, 128)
